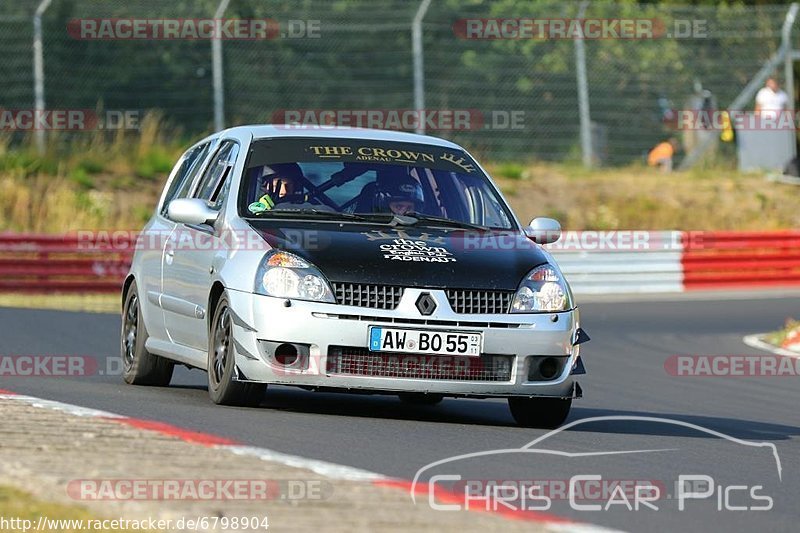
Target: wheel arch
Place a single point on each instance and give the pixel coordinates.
(217, 289)
(126, 285)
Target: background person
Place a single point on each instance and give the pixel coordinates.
(661, 155)
(771, 99)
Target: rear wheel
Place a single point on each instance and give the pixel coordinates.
(547, 413)
(139, 366)
(222, 387)
(419, 398)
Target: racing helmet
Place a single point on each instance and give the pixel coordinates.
(281, 180)
(397, 192)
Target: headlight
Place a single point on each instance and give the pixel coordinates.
(543, 290)
(285, 275)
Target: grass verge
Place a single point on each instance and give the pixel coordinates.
(639, 197)
(778, 337)
(98, 180)
(16, 504)
(112, 181)
(88, 303)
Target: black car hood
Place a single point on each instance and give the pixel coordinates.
(409, 256)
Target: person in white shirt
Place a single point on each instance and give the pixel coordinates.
(770, 99)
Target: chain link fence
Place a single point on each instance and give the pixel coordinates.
(358, 55)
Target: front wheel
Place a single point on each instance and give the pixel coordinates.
(222, 387)
(546, 413)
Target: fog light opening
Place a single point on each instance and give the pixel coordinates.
(548, 367)
(286, 354)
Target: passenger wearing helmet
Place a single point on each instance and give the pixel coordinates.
(398, 193)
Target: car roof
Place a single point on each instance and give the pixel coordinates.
(263, 131)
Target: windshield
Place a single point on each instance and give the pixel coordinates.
(368, 180)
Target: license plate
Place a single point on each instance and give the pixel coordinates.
(424, 341)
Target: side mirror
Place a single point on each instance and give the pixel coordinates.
(191, 211)
(543, 230)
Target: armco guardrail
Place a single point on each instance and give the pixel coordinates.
(594, 262)
(729, 260)
(621, 261)
(60, 263)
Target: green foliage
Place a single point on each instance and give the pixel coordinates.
(154, 163)
(27, 163)
(81, 178)
(92, 164)
(512, 171)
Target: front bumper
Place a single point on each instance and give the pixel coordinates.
(262, 321)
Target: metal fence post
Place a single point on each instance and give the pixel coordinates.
(216, 71)
(38, 71)
(788, 61)
(583, 92)
(419, 73)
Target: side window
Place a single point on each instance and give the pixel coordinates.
(216, 181)
(189, 166)
(493, 214)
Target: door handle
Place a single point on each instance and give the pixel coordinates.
(169, 254)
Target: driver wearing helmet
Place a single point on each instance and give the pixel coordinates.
(399, 195)
(281, 180)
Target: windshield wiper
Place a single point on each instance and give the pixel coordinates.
(408, 219)
(322, 213)
(437, 220)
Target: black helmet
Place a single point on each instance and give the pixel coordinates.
(397, 185)
(283, 171)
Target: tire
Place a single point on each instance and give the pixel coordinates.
(545, 413)
(222, 387)
(419, 398)
(139, 366)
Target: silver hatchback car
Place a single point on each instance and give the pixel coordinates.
(349, 260)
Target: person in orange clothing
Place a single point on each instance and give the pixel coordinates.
(662, 153)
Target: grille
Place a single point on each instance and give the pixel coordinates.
(354, 361)
(364, 295)
(472, 301)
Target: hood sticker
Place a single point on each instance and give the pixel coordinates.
(379, 235)
(411, 250)
(405, 247)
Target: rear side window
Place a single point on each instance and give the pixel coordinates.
(216, 181)
(189, 166)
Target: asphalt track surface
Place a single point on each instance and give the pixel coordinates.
(627, 378)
